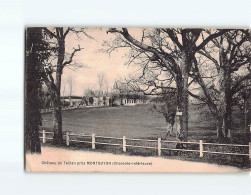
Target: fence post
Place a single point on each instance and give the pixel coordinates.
(44, 137)
(124, 144)
(67, 138)
(93, 141)
(201, 148)
(159, 146)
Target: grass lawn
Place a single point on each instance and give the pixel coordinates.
(139, 122)
(132, 122)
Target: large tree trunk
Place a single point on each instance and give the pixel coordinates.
(57, 120)
(228, 119)
(32, 88)
(223, 128)
(182, 104)
(57, 110)
(225, 103)
(182, 100)
(56, 103)
(32, 142)
(184, 118)
(228, 101)
(32, 116)
(219, 129)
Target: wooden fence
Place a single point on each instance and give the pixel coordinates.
(69, 138)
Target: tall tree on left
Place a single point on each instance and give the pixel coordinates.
(36, 54)
(54, 69)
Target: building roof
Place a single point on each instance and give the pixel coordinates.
(72, 97)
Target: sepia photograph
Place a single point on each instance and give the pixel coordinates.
(125, 97)
(137, 100)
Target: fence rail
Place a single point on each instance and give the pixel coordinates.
(69, 137)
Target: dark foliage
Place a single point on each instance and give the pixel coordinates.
(36, 54)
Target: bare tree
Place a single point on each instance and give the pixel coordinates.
(103, 88)
(53, 72)
(222, 69)
(174, 50)
(102, 82)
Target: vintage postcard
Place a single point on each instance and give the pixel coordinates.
(137, 100)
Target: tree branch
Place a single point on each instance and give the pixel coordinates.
(209, 38)
(67, 31)
(173, 37)
(148, 48)
(72, 55)
(197, 97)
(207, 55)
(199, 79)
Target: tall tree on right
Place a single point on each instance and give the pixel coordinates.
(173, 49)
(222, 69)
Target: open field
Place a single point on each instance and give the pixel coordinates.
(139, 122)
(112, 121)
(132, 122)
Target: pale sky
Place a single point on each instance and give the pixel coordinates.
(97, 62)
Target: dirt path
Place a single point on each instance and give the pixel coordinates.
(86, 161)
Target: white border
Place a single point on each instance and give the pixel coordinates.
(16, 15)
